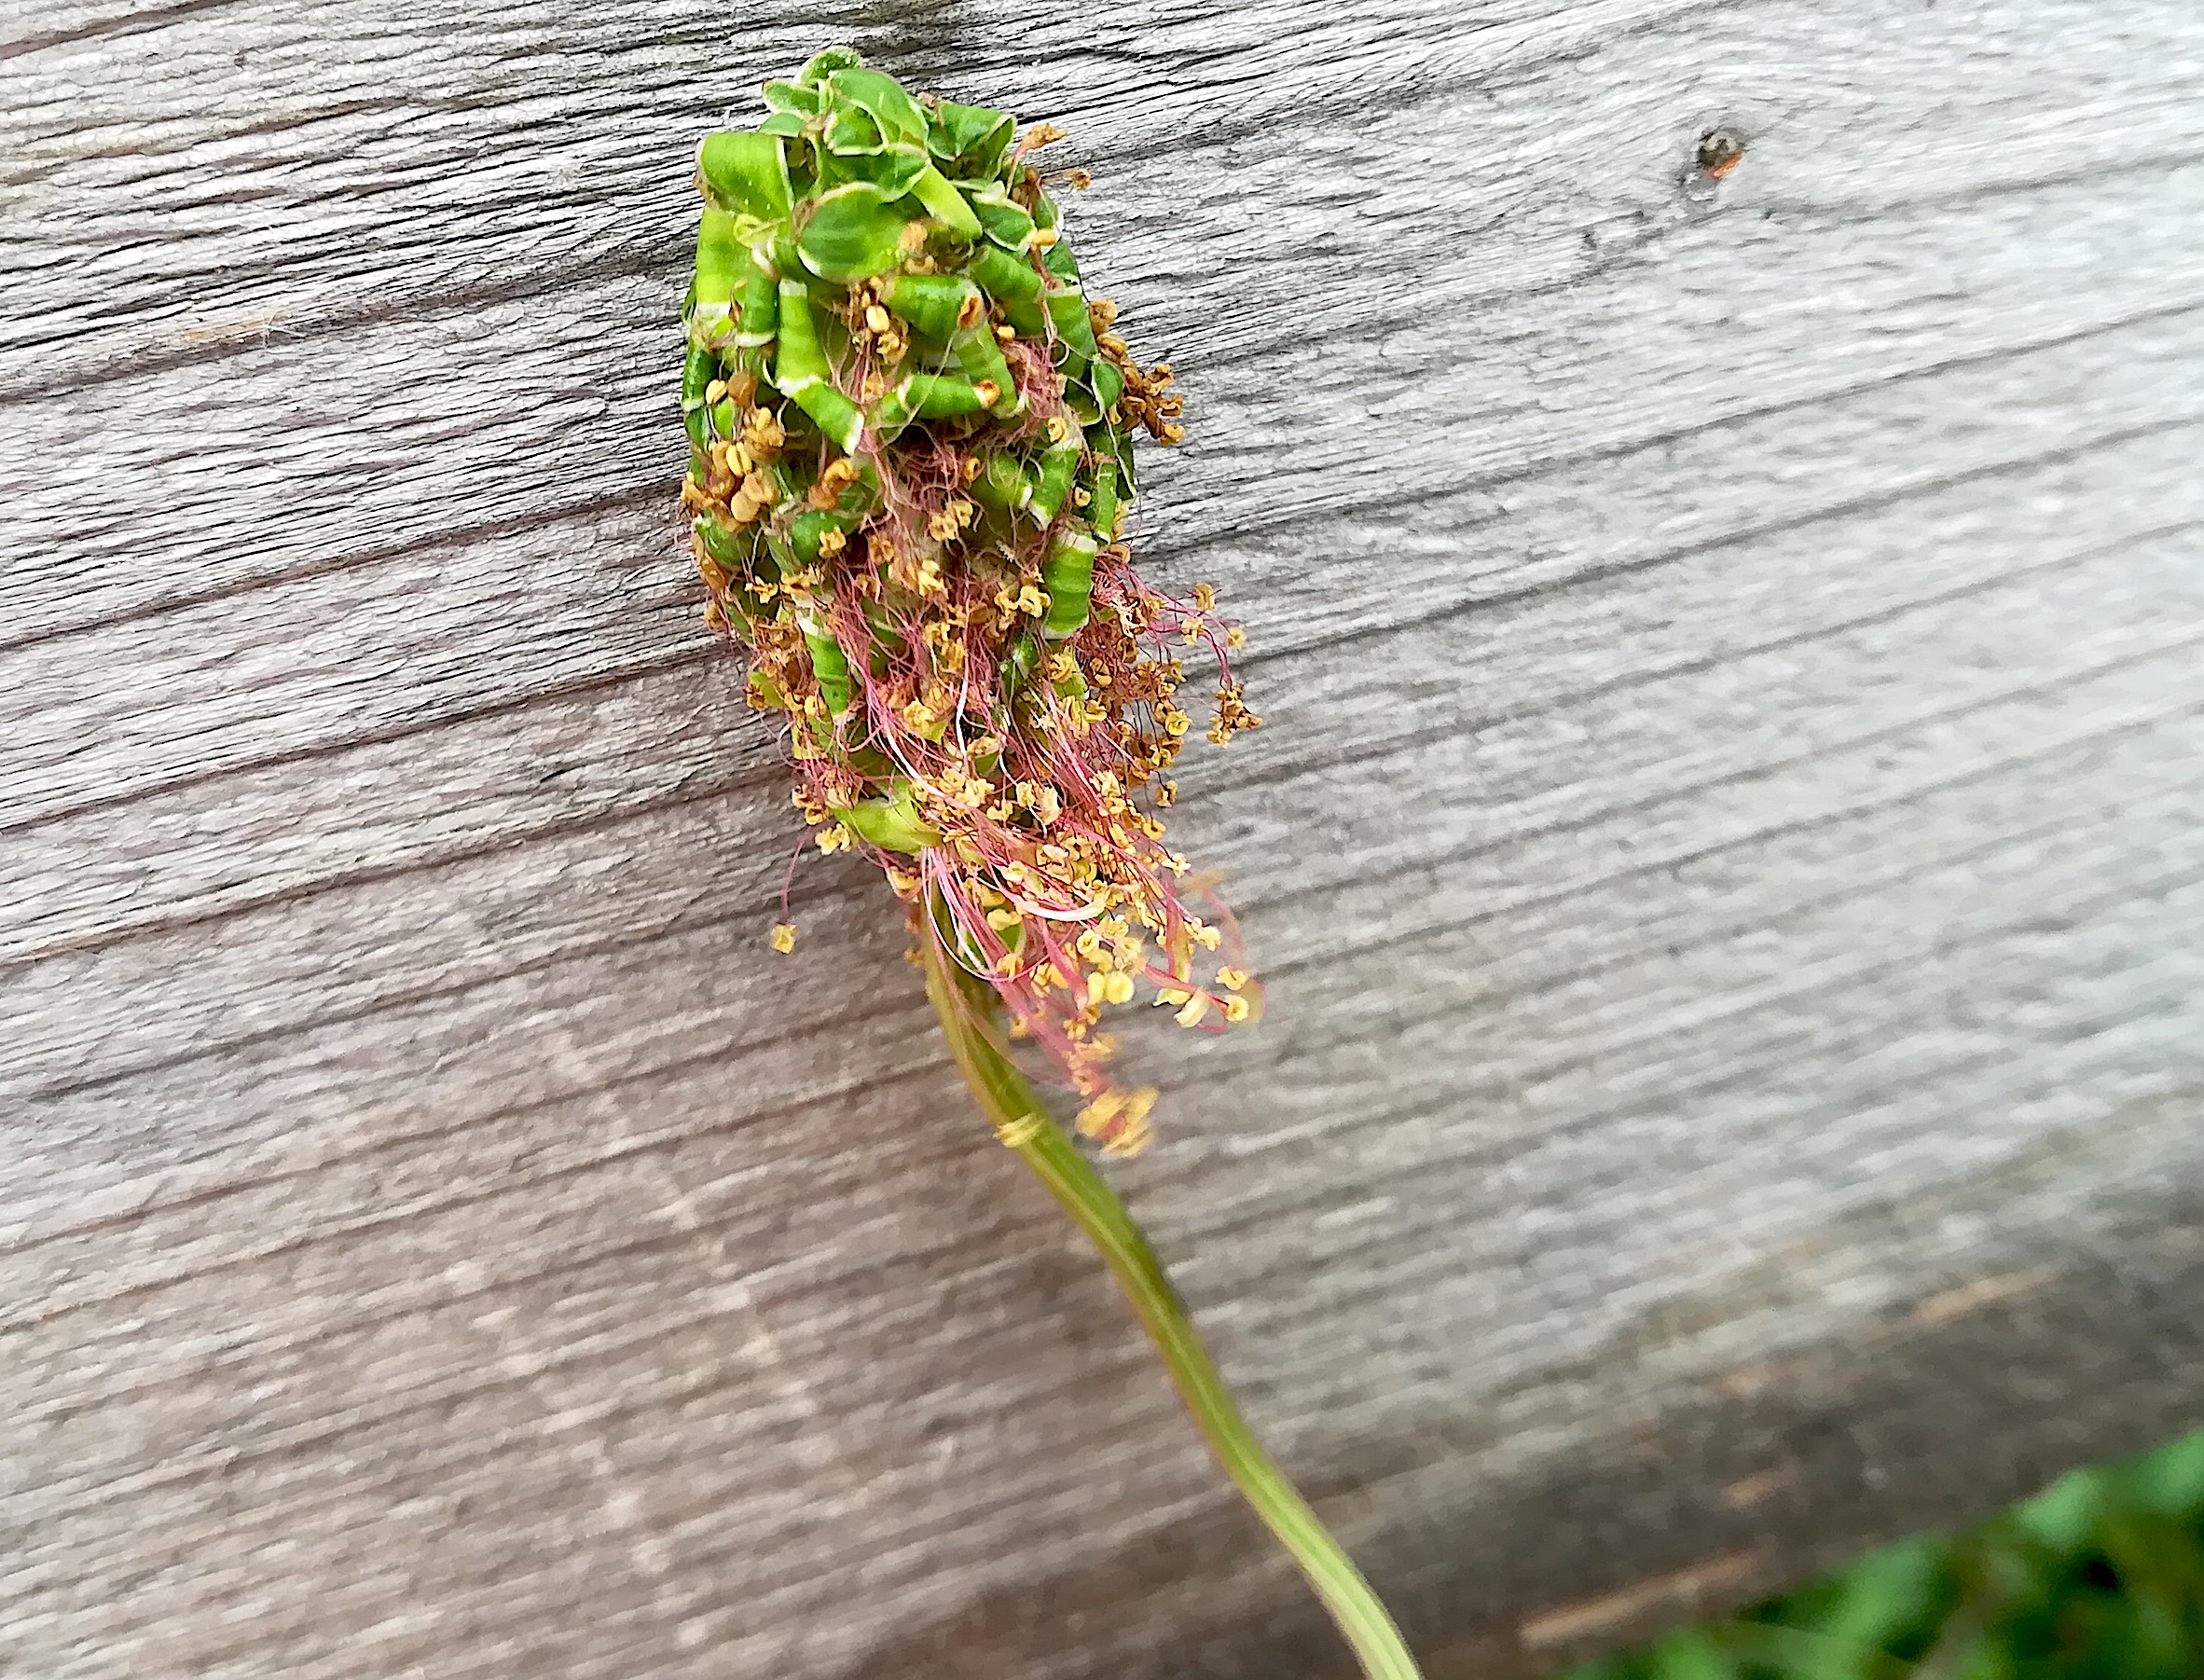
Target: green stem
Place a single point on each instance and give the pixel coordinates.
(1005, 1096)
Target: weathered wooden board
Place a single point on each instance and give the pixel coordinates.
(1725, 851)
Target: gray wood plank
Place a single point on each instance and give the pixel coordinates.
(1724, 851)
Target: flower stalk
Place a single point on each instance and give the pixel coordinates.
(1010, 1102)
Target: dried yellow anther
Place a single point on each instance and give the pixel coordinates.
(1118, 1118)
(762, 432)
(784, 937)
(1019, 1132)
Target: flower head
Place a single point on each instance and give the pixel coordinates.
(910, 459)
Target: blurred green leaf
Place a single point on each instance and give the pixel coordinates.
(2100, 1576)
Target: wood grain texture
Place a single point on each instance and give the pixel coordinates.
(1725, 852)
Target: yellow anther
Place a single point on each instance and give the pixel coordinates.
(1021, 1130)
(784, 937)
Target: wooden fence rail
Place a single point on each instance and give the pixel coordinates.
(1726, 852)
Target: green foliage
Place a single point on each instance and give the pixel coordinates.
(2100, 1576)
